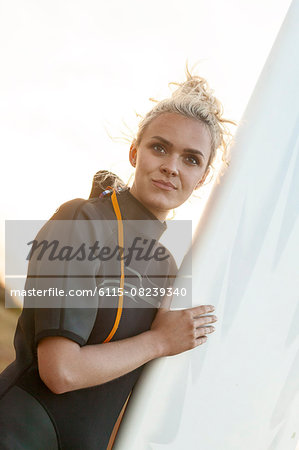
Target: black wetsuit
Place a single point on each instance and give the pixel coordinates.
(33, 417)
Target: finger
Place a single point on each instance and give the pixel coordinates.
(201, 340)
(202, 331)
(202, 309)
(203, 320)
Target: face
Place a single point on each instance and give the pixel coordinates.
(171, 161)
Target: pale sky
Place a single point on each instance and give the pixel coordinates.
(70, 70)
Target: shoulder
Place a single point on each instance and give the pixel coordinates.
(68, 210)
(79, 208)
(77, 219)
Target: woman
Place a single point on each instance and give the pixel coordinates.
(76, 364)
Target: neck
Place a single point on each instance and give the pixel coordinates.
(160, 215)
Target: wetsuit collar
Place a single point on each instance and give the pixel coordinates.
(132, 209)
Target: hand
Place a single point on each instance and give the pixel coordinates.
(178, 331)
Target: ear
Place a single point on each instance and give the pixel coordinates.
(203, 179)
(133, 154)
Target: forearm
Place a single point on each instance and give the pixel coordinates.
(65, 366)
(96, 364)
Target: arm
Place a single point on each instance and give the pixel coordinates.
(65, 366)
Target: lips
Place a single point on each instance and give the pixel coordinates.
(164, 185)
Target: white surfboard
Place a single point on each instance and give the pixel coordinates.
(241, 389)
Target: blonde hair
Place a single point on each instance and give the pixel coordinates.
(194, 99)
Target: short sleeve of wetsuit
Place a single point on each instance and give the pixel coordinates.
(60, 269)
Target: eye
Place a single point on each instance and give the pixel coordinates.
(193, 160)
(159, 148)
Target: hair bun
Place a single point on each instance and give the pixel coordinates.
(194, 85)
(198, 88)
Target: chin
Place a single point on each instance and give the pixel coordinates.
(160, 201)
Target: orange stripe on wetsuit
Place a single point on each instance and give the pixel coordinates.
(122, 265)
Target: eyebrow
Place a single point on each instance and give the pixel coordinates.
(187, 150)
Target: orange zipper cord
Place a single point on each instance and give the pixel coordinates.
(122, 265)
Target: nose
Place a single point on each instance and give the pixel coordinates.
(169, 168)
